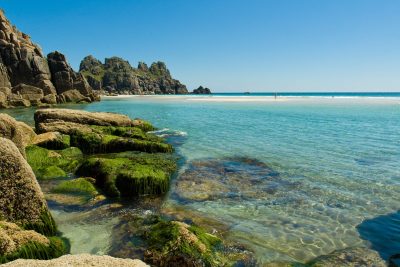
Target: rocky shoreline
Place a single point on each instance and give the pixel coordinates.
(107, 156)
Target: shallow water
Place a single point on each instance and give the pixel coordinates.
(337, 160)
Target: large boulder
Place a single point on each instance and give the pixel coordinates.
(18, 132)
(21, 199)
(73, 96)
(46, 116)
(28, 92)
(80, 260)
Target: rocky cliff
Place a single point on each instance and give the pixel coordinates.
(117, 76)
(27, 77)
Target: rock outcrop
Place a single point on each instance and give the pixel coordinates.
(80, 260)
(25, 69)
(201, 91)
(117, 76)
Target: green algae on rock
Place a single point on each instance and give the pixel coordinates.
(94, 143)
(132, 175)
(79, 186)
(48, 164)
(27, 229)
(15, 243)
(172, 243)
(52, 140)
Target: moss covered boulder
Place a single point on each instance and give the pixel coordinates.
(48, 164)
(79, 191)
(15, 243)
(130, 174)
(94, 143)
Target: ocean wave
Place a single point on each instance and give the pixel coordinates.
(165, 132)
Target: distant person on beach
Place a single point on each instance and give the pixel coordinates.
(276, 95)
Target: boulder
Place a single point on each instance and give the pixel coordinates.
(12, 238)
(51, 140)
(20, 133)
(73, 96)
(21, 199)
(44, 116)
(50, 99)
(80, 260)
(28, 92)
(15, 100)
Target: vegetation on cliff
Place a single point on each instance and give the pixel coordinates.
(116, 75)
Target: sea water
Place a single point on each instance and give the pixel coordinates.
(337, 161)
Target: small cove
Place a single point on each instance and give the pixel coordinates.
(336, 164)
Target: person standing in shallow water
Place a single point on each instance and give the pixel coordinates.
(276, 95)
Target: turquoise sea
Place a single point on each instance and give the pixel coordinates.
(289, 178)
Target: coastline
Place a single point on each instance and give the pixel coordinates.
(260, 98)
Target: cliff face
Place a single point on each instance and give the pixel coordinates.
(23, 64)
(118, 76)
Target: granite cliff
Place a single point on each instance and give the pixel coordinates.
(117, 76)
(27, 77)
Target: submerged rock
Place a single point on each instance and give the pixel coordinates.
(229, 178)
(350, 257)
(80, 260)
(173, 243)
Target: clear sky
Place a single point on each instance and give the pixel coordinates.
(230, 45)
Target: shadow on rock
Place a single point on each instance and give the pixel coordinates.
(383, 233)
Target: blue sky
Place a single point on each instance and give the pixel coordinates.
(230, 45)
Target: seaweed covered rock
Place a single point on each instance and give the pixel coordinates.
(179, 244)
(52, 140)
(349, 257)
(173, 243)
(16, 243)
(18, 132)
(128, 175)
(92, 143)
(48, 164)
